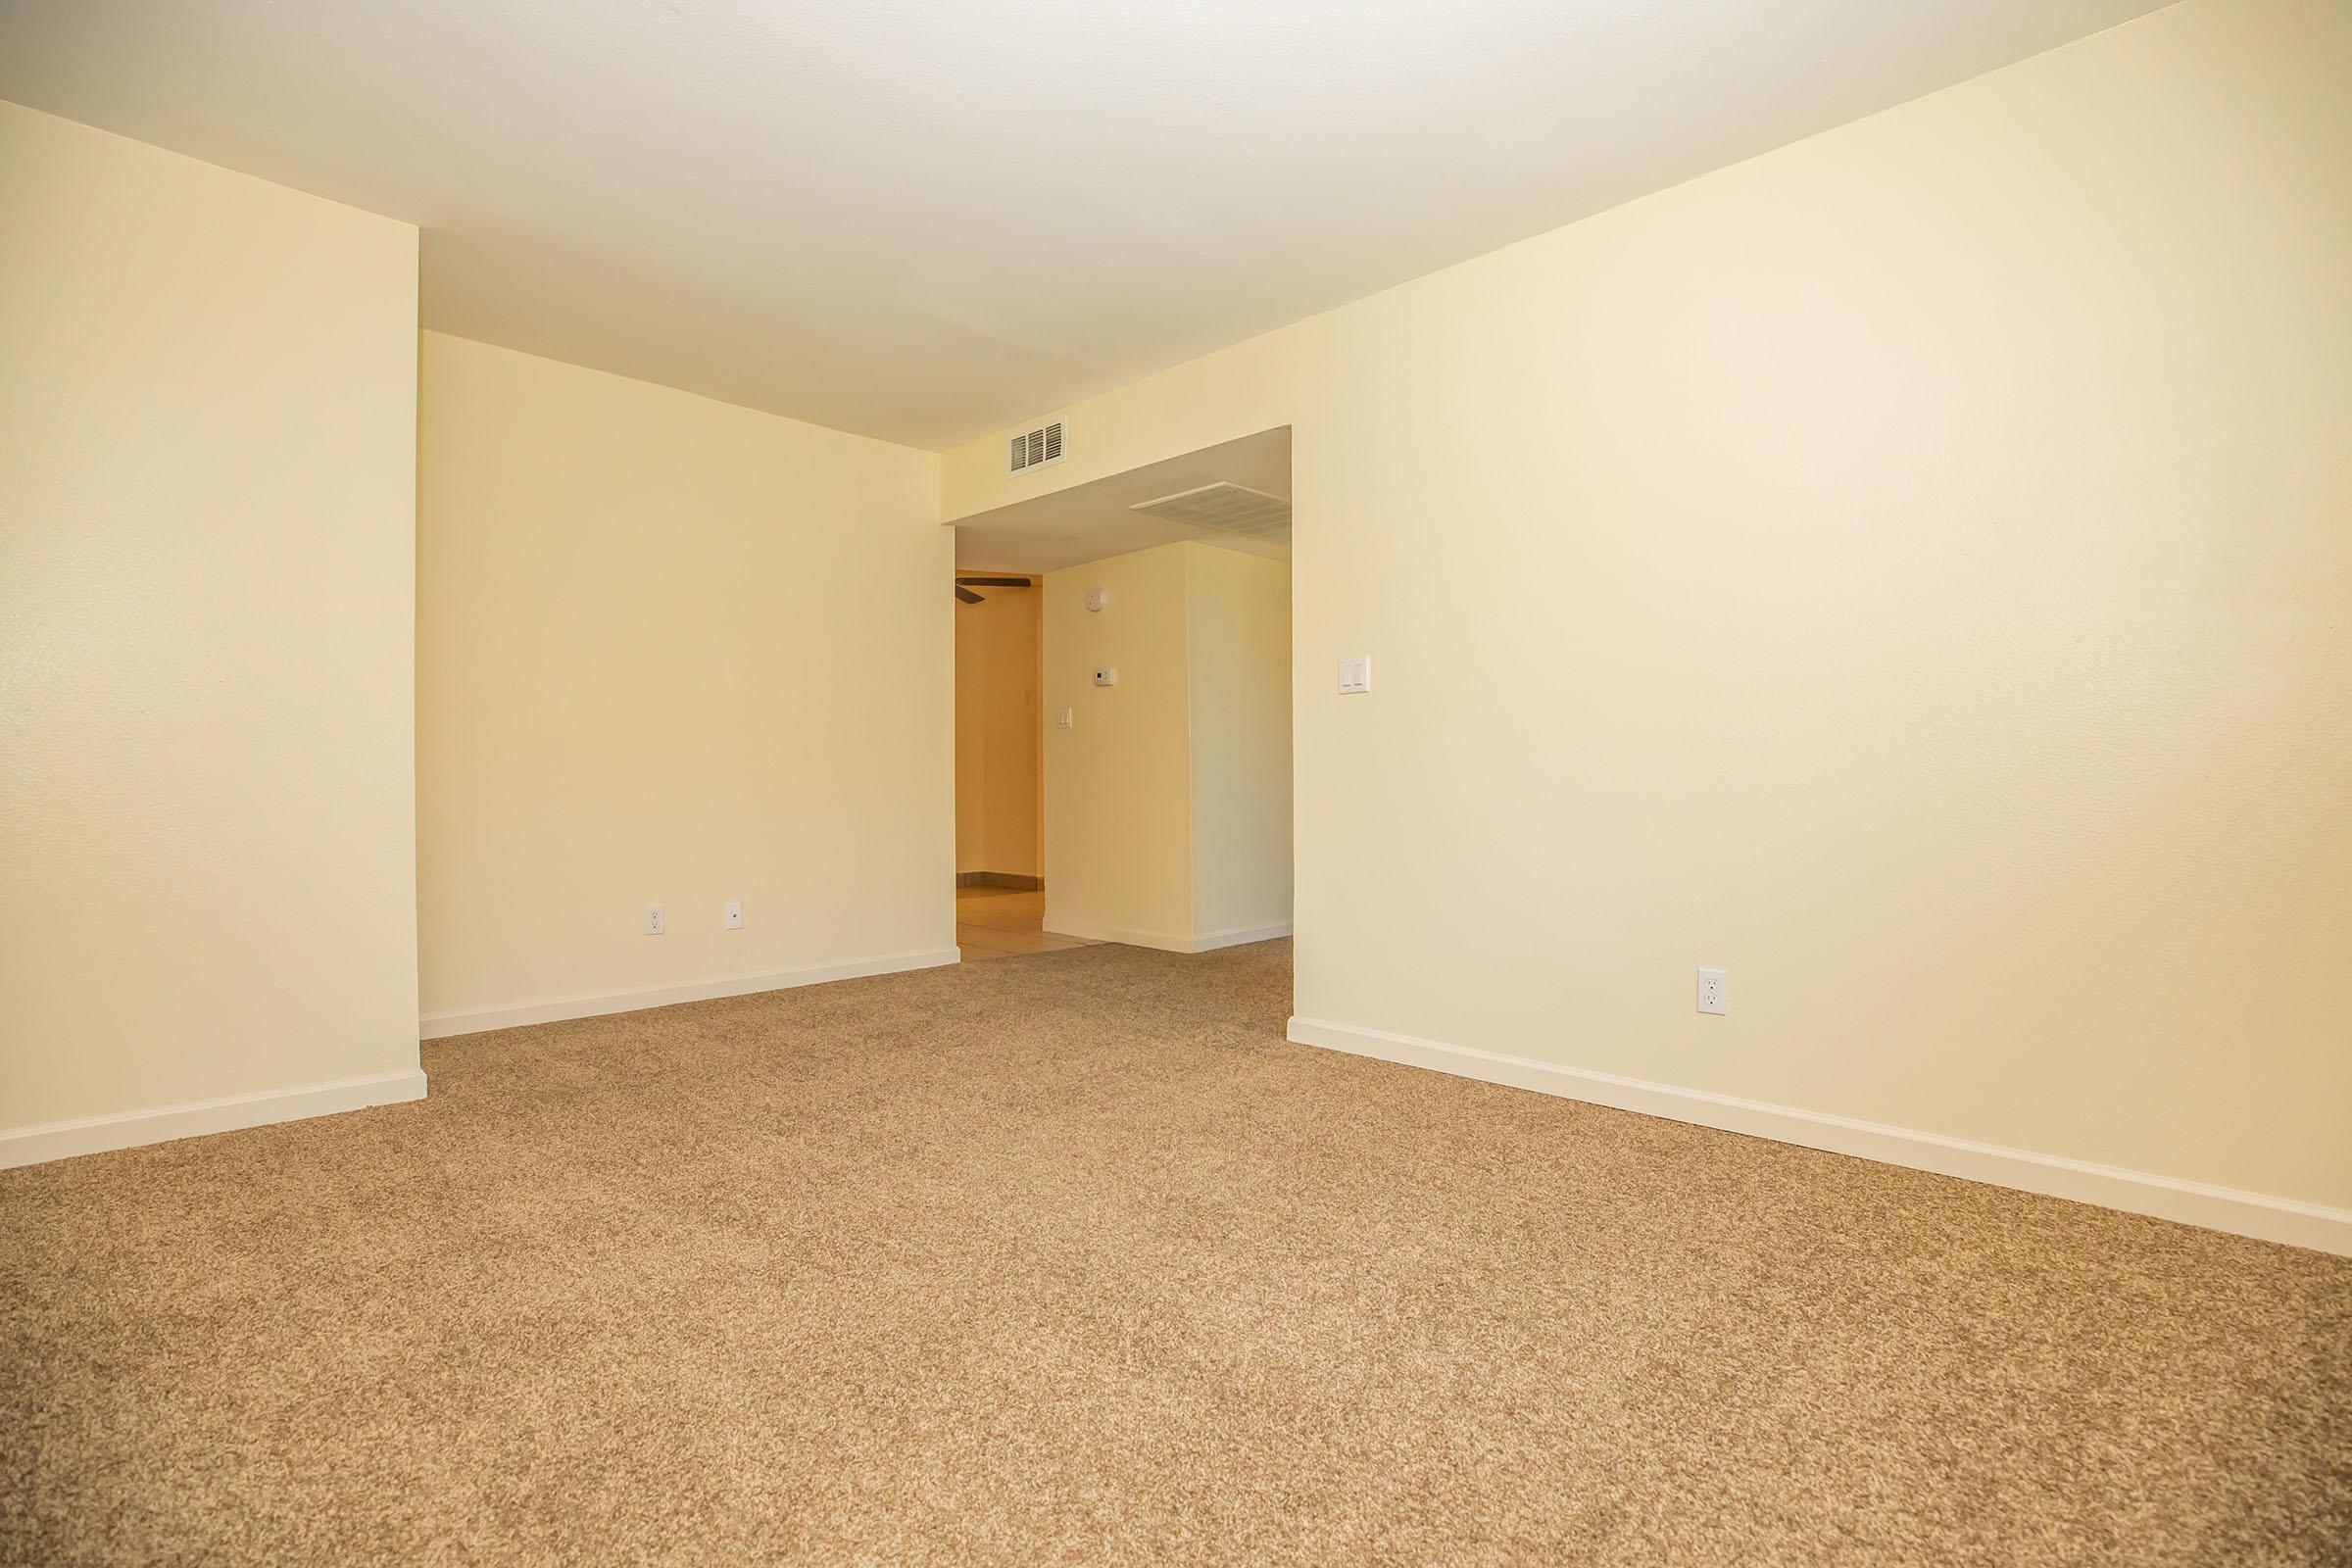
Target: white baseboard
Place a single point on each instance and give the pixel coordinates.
(1167, 941)
(2220, 1208)
(1164, 941)
(62, 1140)
(473, 1021)
(1234, 938)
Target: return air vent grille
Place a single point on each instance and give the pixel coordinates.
(1033, 449)
(1226, 508)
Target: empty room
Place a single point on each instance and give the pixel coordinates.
(1515, 782)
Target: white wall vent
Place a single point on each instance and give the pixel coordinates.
(1034, 449)
(1233, 508)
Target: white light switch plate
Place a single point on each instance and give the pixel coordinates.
(1064, 720)
(1355, 673)
(1107, 675)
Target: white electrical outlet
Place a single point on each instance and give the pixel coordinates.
(653, 920)
(734, 914)
(1106, 676)
(1714, 990)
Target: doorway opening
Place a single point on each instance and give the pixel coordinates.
(1000, 766)
(1124, 708)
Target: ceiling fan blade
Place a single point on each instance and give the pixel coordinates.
(967, 595)
(993, 582)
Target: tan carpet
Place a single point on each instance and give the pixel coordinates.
(1069, 1258)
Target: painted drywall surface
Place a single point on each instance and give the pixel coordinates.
(1118, 796)
(1911, 569)
(1238, 639)
(1169, 799)
(207, 579)
(669, 650)
(999, 755)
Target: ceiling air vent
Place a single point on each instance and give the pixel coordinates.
(1034, 449)
(1226, 508)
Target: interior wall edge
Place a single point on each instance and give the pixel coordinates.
(2260, 1215)
(1168, 941)
(595, 1005)
(133, 1129)
(1210, 941)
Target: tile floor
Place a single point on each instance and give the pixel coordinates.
(999, 922)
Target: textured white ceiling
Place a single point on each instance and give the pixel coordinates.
(926, 219)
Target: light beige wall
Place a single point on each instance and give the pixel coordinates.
(1238, 634)
(999, 757)
(1118, 786)
(1912, 569)
(207, 581)
(1167, 803)
(669, 650)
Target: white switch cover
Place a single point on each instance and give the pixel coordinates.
(653, 920)
(1714, 990)
(734, 914)
(1106, 676)
(1355, 673)
(1064, 718)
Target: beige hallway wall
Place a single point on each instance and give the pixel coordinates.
(1167, 800)
(1118, 785)
(999, 751)
(670, 651)
(1238, 630)
(207, 595)
(1911, 569)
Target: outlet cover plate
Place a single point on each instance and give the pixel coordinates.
(1714, 991)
